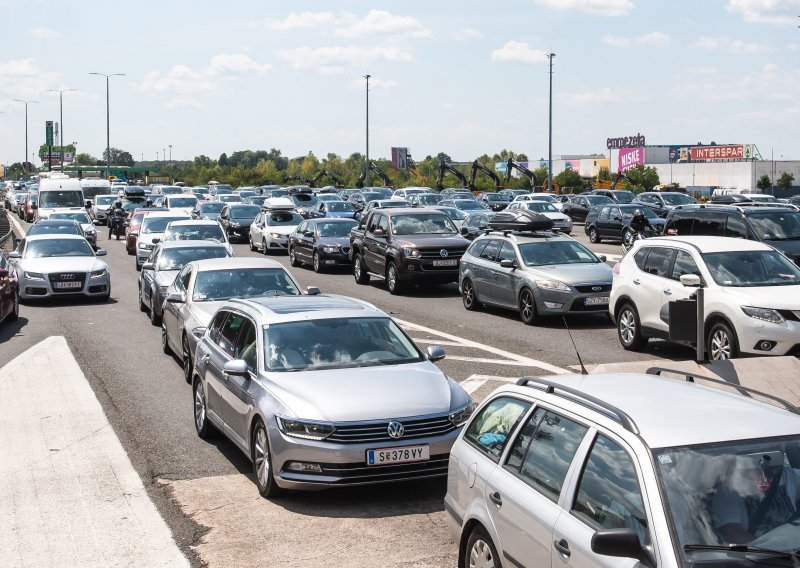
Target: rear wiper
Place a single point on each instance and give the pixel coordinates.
(744, 548)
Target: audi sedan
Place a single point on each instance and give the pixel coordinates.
(322, 391)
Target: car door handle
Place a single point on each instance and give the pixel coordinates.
(496, 499)
(206, 358)
(636, 281)
(563, 547)
(667, 292)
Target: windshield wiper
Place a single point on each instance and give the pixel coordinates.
(744, 548)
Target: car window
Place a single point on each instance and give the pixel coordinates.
(490, 429)
(609, 496)
(383, 223)
(507, 252)
(658, 261)
(476, 248)
(684, 264)
(227, 333)
(735, 227)
(182, 281)
(605, 213)
(246, 346)
(680, 223)
(641, 256)
(491, 250)
(710, 223)
(548, 446)
(216, 324)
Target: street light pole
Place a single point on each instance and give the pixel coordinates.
(108, 121)
(366, 163)
(61, 118)
(550, 56)
(26, 130)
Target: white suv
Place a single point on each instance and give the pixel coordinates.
(752, 294)
(597, 470)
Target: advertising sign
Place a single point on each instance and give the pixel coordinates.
(400, 158)
(708, 153)
(626, 142)
(629, 157)
(48, 132)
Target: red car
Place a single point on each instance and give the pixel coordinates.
(9, 292)
(132, 228)
(27, 208)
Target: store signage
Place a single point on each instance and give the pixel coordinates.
(707, 153)
(626, 142)
(630, 157)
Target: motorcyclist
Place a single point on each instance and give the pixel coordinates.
(116, 218)
(639, 222)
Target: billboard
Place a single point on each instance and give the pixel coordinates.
(708, 153)
(630, 157)
(400, 158)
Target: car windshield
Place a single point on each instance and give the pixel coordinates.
(545, 198)
(51, 199)
(479, 221)
(776, 225)
(194, 233)
(256, 199)
(495, 197)
(283, 218)
(211, 207)
(171, 190)
(176, 258)
(245, 211)
(216, 285)
(317, 344)
(153, 224)
(429, 198)
(57, 247)
(183, 201)
(371, 196)
(82, 218)
(304, 199)
(66, 228)
(335, 229)
(90, 192)
(556, 252)
(453, 213)
(752, 268)
(541, 207)
(339, 207)
(624, 196)
(104, 200)
(468, 205)
(678, 199)
(743, 492)
(628, 211)
(763, 198)
(229, 198)
(598, 199)
(423, 224)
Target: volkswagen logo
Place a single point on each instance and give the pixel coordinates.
(443, 253)
(395, 430)
(596, 288)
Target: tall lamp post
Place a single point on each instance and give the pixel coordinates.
(366, 163)
(26, 103)
(550, 56)
(108, 121)
(61, 118)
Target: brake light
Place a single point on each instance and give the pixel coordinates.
(671, 232)
(617, 268)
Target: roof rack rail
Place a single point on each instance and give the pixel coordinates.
(584, 399)
(744, 391)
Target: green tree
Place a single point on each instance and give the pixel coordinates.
(604, 174)
(223, 159)
(118, 157)
(569, 178)
(785, 181)
(84, 159)
(643, 178)
(764, 182)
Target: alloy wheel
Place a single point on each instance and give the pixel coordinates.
(627, 326)
(317, 262)
(527, 307)
(199, 407)
(468, 294)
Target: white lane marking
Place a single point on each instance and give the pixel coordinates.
(474, 344)
(437, 342)
(490, 361)
(473, 383)
(494, 378)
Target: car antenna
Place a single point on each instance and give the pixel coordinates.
(583, 369)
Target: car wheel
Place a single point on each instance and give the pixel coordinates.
(527, 307)
(293, 257)
(264, 246)
(318, 263)
(188, 364)
(594, 237)
(164, 339)
(138, 266)
(107, 295)
(629, 329)
(627, 238)
(392, 281)
(202, 425)
(15, 310)
(131, 251)
(155, 318)
(142, 306)
(468, 295)
(262, 461)
(721, 343)
(359, 271)
(252, 246)
(480, 551)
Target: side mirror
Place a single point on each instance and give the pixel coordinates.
(176, 298)
(199, 332)
(34, 207)
(508, 263)
(435, 353)
(621, 543)
(691, 281)
(308, 233)
(148, 266)
(313, 291)
(88, 204)
(14, 254)
(127, 223)
(101, 252)
(464, 231)
(378, 233)
(603, 258)
(3, 273)
(156, 241)
(238, 368)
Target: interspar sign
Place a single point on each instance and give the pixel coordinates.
(629, 157)
(705, 153)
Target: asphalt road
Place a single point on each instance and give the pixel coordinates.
(149, 405)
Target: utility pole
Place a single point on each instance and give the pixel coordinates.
(108, 121)
(366, 163)
(61, 118)
(26, 103)
(550, 56)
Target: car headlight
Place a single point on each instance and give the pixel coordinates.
(34, 275)
(330, 248)
(305, 429)
(163, 289)
(463, 414)
(764, 314)
(145, 246)
(90, 232)
(277, 235)
(552, 285)
(98, 273)
(411, 252)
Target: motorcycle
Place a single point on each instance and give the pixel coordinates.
(116, 226)
(632, 236)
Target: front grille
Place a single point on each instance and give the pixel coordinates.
(355, 473)
(66, 277)
(373, 432)
(589, 288)
(436, 252)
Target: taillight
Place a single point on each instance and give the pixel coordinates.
(671, 232)
(616, 269)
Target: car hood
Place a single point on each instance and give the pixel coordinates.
(62, 264)
(149, 237)
(88, 227)
(776, 297)
(166, 277)
(333, 241)
(204, 311)
(598, 272)
(367, 393)
(281, 229)
(341, 214)
(430, 241)
(556, 216)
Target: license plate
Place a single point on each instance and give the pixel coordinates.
(398, 455)
(448, 262)
(68, 284)
(596, 301)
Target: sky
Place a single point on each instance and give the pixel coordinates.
(461, 77)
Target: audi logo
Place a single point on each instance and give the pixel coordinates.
(67, 277)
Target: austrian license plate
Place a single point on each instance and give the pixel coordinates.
(447, 262)
(596, 301)
(67, 284)
(398, 455)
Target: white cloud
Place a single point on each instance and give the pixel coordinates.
(655, 38)
(705, 43)
(44, 33)
(304, 21)
(19, 68)
(236, 63)
(616, 41)
(338, 59)
(729, 45)
(739, 46)
(793, 46)
(184, 103)
(518, 52)
(24, 79)
(602, 7)
(374, 83)
(467, 34)
(776, 12)
(383, 23)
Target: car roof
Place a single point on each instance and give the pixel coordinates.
(521, 238)
(298, 308)
(45, 222)
(194, 223)
(332, 220)
(696, 414)
(708, 244)
(30, 238)
(236, 262)
(195, 243)
(167, 213)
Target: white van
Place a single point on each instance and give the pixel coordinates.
(55, 193)
(92, 187)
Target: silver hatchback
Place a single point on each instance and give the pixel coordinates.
(323, 391)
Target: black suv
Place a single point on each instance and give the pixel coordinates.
(778, 227)
(616, 195)
(662, 202)
(406, 245)
(612, 222)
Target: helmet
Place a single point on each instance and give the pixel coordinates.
(149, 203)
(638, 213)
(118, 204)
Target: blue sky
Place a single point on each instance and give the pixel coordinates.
(465, 78)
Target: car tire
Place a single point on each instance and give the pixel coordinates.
(142, 306)
(293, 257)
(480, 550)
(155, 318)
(359, 271)
(468, 295)
(188, 364)
(164, 339)
(264, 246)
(131, 251)
(393, 283)
(262, 461)
(15, 310)
(527, 306)
(107, 296)
(253, 247)
(594, 236)
(202, 425)
(317, 263)
(721, 343)
(138, 266)
(629, 328)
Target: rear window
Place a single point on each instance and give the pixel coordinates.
(245, 211)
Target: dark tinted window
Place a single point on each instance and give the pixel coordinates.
(228, 331)
(476, 248)
(490, 429)
(244, 211)
(640, 257)
(216, 324)
(507, 252)
(681, 223)
(709, 223)
(684, 264)
(491, 250)
(735, 226)
(658, 261)
(246, 345)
